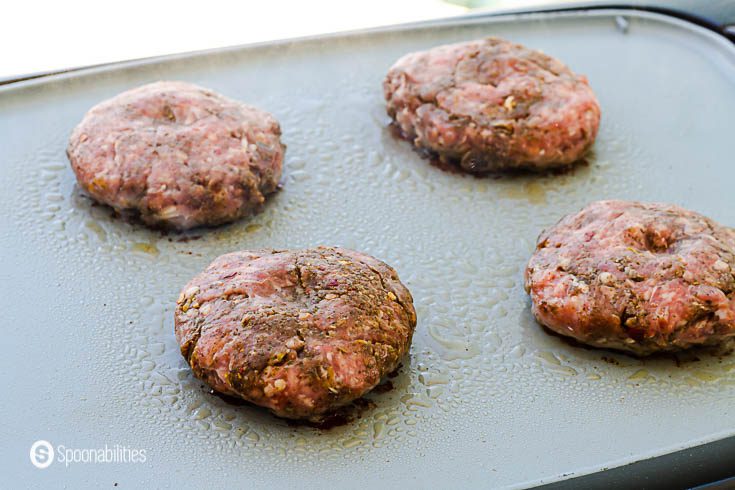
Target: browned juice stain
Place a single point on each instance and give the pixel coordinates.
(718, 362)
(147, 248)
(384, 387)
(534, 192)
(337, 418)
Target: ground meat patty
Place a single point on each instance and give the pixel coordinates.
(637, 277)
(492, 105)
(177, 155)
(300, 332)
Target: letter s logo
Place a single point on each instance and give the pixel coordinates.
(42, 454)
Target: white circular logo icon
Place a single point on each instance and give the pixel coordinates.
(42, 454)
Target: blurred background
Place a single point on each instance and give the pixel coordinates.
(44, 36)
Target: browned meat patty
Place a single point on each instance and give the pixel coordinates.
(492, 105)
(636, 277)
(177, 155)
(300, 332)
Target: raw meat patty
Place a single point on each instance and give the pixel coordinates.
(300, 332)
(492, 105)
(636, 277)
(177, 155)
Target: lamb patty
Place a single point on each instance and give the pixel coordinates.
(177, 155)
(639, 277)
(300, 332)
(492, 105)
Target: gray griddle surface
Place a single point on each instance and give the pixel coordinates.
(486, 399)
